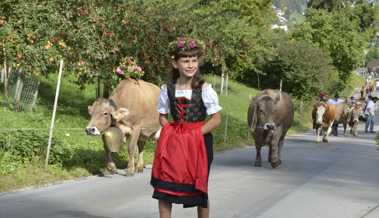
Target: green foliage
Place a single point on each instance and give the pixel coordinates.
(233, 30)
(304, 69)
(147, 29)
(31, 35)
(328, 4)
(372, 54)
(9, 163)
(365, 12)
(28, 144)
(338, 34)
(293, 10)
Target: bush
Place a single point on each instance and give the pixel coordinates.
(8, 163)
(304, 69)
(27, 144)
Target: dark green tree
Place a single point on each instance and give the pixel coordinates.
(329, 5)
(339, 35)
(304, 69)
(233, 31)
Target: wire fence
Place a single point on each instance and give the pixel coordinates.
(22, 91)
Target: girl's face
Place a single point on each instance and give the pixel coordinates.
(187, 66)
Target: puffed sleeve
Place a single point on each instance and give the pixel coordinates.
(163, 102)
(210, 99)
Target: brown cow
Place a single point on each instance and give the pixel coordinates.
(348, 116)
(342, 113)
(269, 117)
(353, 118)
(132, 108)
(323, 116)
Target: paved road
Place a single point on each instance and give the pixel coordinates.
(335, 180)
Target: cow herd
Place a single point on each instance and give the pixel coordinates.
(132, 109)
(326, 118)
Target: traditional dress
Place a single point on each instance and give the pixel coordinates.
(183, 154)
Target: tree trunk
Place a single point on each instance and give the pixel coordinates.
(17, 95)
(98, 88)
(222, 83)
(227, 84)
(223, 77)
(258, 80)
(107, 88)
(5, 73)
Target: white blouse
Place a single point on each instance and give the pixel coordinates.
(208, 95)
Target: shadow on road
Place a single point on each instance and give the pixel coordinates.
(79, 214)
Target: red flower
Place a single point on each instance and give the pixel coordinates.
(192, 44)
(180, 43)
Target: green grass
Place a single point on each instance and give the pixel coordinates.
(233, 131)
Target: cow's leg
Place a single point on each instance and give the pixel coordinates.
(258, 160)
(269, 153)
(335, 128)
(326, 133)
(344, 128)
(275, 160)
(140, 162)
(354, 129)
(280, 144)
(318, 132)
(275, 146)
(351, 129)
(133, 150)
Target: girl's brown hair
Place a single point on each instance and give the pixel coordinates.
(197, 81)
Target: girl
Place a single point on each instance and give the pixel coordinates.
(185, 148)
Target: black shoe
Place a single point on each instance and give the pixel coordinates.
(372, 131)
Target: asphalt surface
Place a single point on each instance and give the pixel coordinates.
(335, 180)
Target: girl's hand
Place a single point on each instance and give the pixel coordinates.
(163, 119)
(212, 123)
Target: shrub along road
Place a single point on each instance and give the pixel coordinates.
(336, 180)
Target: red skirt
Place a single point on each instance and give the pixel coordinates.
(181, 165)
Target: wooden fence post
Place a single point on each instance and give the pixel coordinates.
(54, 112)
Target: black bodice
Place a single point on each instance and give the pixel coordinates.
(183, 109)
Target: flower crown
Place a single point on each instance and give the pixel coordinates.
(185, 44)
(128, 68)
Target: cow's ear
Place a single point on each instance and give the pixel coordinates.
(120, 113)
(90, 109)
(124, 111)
(278, 96)
(252, 116)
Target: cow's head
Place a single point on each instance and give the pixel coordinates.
(355, 113)
(264, 112)
(101, 116)
(320, 111)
